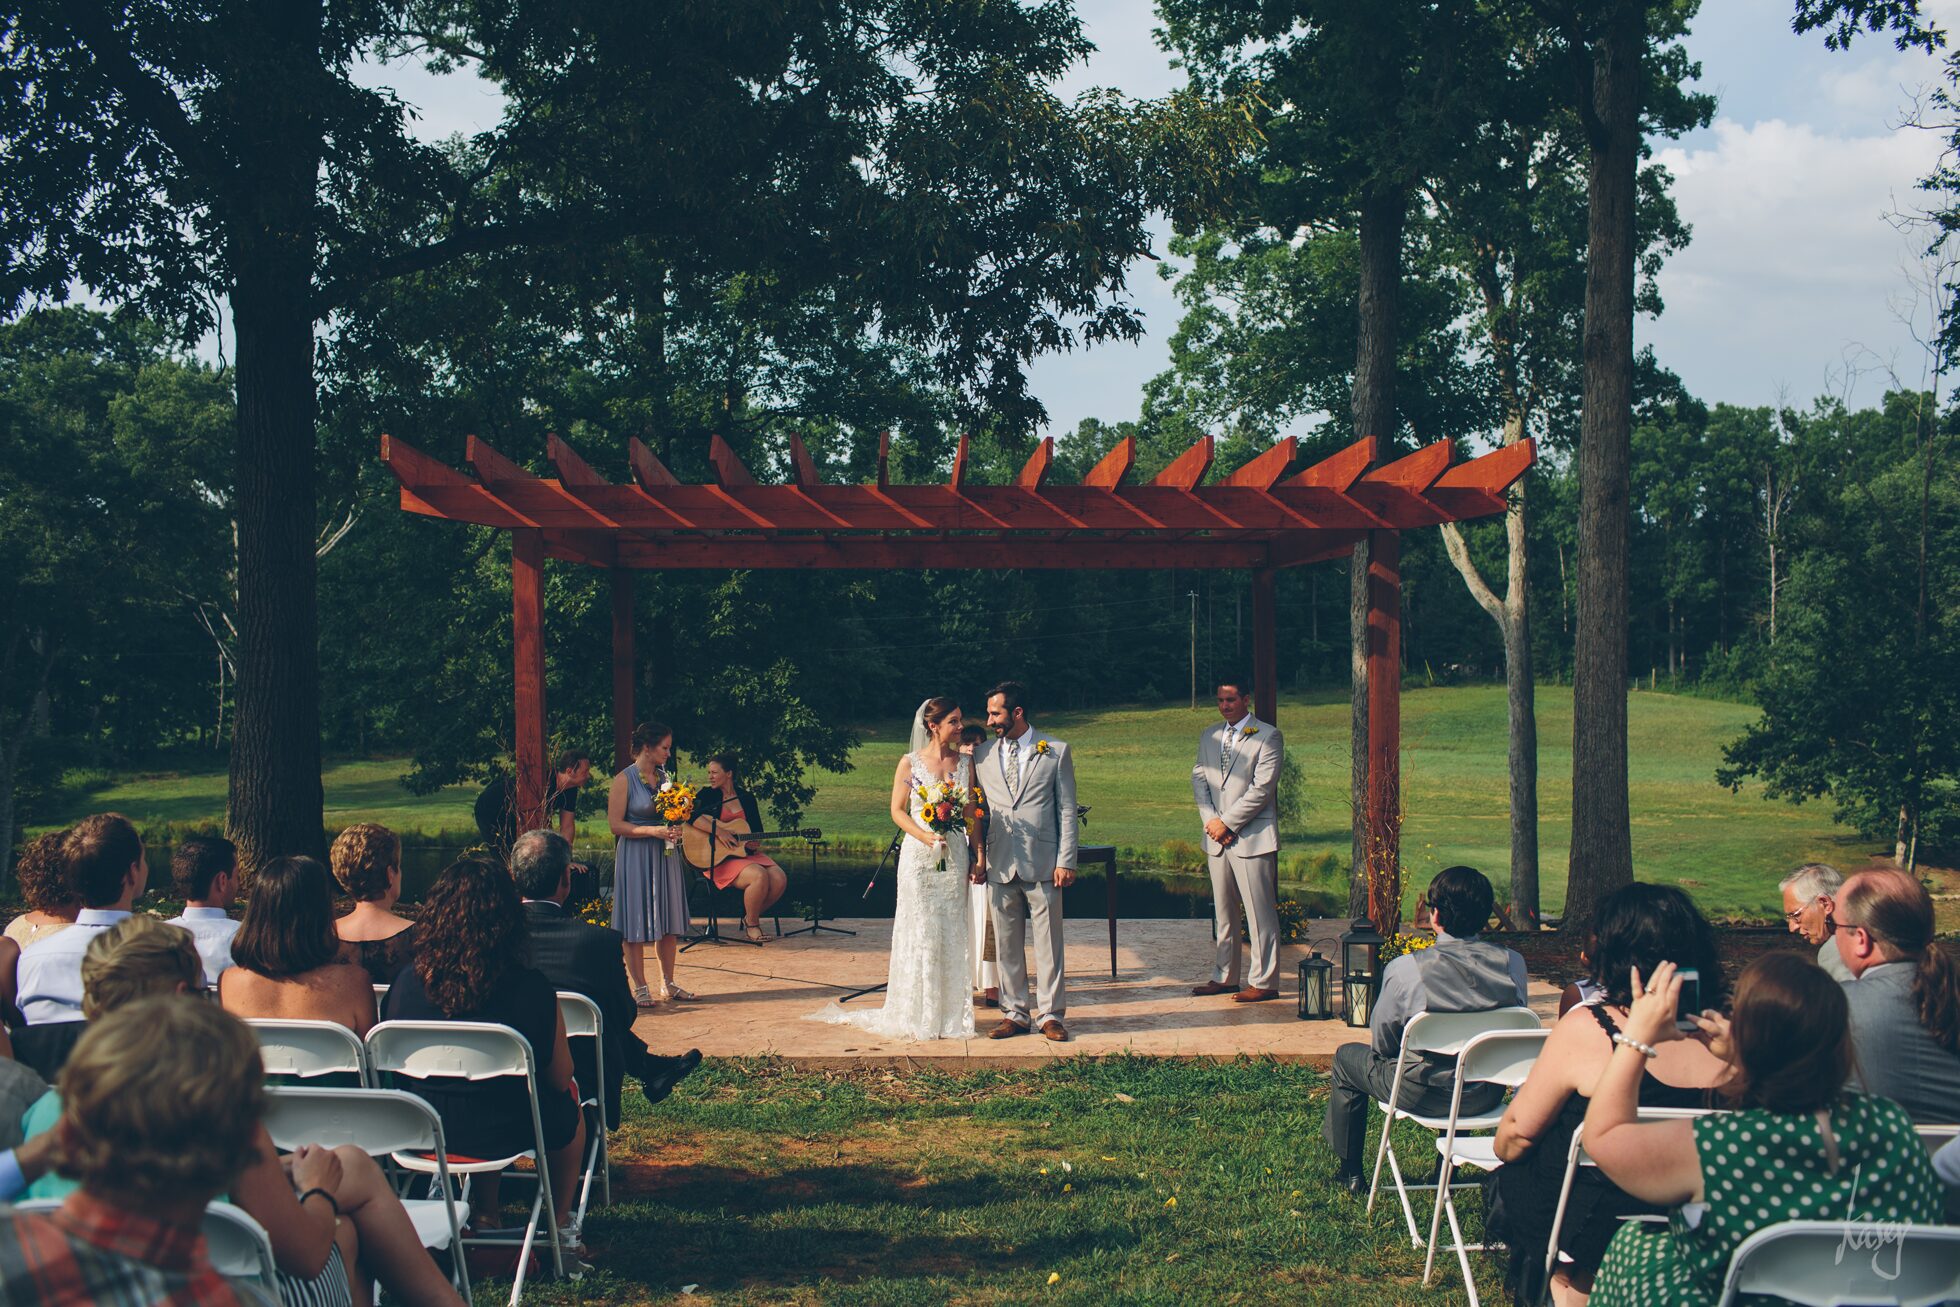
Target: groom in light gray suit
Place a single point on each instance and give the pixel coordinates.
(1029, 779)
(1236, 784)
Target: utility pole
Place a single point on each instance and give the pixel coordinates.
(1194, 651)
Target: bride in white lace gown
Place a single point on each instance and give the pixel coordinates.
(928, 992)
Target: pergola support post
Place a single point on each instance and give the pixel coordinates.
(527, 653)
(1384, 813)
(1265, 645)
(622, 666)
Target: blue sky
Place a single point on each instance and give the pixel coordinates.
(1795, 284)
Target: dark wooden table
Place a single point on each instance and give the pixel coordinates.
(1106, 855)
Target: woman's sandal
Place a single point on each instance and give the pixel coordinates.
(753, 931)
(679, 995)
(643, 998)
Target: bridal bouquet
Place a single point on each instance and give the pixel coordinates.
(943, 809)
(675, 800)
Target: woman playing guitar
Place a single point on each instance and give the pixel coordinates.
(730, 812)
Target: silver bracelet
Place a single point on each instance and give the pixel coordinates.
(1620, 1037)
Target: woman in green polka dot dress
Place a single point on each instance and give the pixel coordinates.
(1796, 1147)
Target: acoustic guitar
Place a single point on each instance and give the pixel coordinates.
(729, 841)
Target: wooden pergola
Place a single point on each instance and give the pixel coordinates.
(1265, 516)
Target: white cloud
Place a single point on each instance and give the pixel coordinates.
(1793, 261)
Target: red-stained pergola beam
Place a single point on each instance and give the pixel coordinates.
(1261, 517)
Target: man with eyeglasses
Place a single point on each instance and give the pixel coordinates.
(1809, 901)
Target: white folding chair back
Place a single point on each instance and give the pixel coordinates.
(305, 1049)
(473, 1050)
(1501, 1057)
(381, 1123)
(238, 1245)
(1825, 1263)
(1443, 1034)
(583, 1020)
(1576, 1157)
(1936, 1137)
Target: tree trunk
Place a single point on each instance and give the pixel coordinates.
(1383, 212)
(275, 805)
(34, 726)
(1602, 837)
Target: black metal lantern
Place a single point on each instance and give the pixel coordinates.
(1316, 988)
(1361, 979)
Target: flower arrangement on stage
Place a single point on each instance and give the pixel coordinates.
(1405, 942)
(943, 809)
(676, 800)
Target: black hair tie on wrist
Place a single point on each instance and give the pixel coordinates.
(331, 1200)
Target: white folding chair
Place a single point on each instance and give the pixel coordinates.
(1825, 1263)
(305, 1049)
(1498, 1057)
(1576, 1157)
(1936, 1137)
(474, 1050)
(1443, 1034)
(381, 1123)
(583, 1020)
(238, 1245)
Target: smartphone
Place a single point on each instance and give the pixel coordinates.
(1690, 1005)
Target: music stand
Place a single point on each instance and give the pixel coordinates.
(712, 935)
(813, 838)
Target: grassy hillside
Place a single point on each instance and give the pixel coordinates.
(1133, 767)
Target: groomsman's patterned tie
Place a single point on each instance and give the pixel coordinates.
(1230, 742)
(1013, 766)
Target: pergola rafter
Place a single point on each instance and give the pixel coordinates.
(1264, 516)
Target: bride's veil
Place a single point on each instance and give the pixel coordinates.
(921, 733)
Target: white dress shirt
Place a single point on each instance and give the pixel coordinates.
(213, 929)
(49, 973)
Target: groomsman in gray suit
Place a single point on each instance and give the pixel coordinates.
(1236, 783)
(1029, 779)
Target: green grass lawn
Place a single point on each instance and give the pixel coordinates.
(1088, 1181)
(1133, 767)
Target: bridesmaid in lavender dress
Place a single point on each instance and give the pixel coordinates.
(649, 884)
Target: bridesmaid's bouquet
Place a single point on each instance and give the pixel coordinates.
(675, 800)
(943, 809)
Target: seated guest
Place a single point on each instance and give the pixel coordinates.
(471, 966)
(1808, 908)
(286, 959)
(584, 959)
(105, 863)
(147, 1162)
(52, 902)
(1905, 1002)
(1796, 1146)
(138, 957)
(741, 863)
(143, 958)
(1637, 926)
(496, 806)
(367, 861)
(1459, 973)
(204, 870)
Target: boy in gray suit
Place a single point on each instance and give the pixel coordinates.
(1029, 779)
(1236, 783)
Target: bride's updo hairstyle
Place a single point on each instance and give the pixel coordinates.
(938, 709)
(648, 734)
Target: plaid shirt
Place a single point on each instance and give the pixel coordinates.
(93, 1252)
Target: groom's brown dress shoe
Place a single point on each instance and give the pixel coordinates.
(1249, 995)
(1211, 987)
(1007, 1030)
(1054, 1030)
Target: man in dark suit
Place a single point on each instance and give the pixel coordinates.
(584, 959)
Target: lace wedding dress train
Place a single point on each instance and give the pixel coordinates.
(926, 987)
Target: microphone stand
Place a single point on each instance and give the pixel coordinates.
(890, 850)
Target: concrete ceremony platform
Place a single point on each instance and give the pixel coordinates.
(757, 1002)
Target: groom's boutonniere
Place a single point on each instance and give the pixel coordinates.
(1040, 747)
(1249, 731)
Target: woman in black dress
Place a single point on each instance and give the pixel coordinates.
(1638, 926)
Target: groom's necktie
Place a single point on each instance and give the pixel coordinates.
(1013, 765)
(1229, 742)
